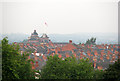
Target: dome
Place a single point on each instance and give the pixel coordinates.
(34, 33)
(44, 36)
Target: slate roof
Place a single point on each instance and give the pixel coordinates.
(34, 33)
(100, 53)
(44, 36)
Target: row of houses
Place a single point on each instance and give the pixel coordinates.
(100, 55)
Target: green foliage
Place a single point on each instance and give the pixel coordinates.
(70, 68)
(91, 41)
(98, 74)
(15, 65)
(0, 61)
(113, 72)
(80, 43)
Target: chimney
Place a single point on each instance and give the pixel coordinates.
(70, 41)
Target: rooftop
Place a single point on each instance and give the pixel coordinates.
(44, 36)
(34, 33)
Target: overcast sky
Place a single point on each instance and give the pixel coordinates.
(62, 16)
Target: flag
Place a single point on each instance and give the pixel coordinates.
(46, 24)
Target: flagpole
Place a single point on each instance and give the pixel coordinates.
(46, 27)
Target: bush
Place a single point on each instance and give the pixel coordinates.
(70, 68)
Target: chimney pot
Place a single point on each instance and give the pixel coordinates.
(70, 41)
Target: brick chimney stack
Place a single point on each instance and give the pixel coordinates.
(70, 41)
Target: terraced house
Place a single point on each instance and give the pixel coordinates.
(100, 55)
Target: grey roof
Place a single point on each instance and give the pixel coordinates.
(34, 33)
(44, 36)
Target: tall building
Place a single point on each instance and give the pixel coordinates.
(34, 38)
(44, 38)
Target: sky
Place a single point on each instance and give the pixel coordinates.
(61, 16)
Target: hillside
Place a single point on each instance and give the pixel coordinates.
(106, 38)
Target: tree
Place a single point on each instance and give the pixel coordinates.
(113, 72)
(98, 74)
(91, 41)
(79, 43)
(70, 68)
(0, 61)
(15, 65)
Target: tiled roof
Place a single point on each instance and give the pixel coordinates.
(68, 47)
(97, 53)
(60, 43)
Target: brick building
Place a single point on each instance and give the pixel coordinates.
(34, 38)
(100, 55)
